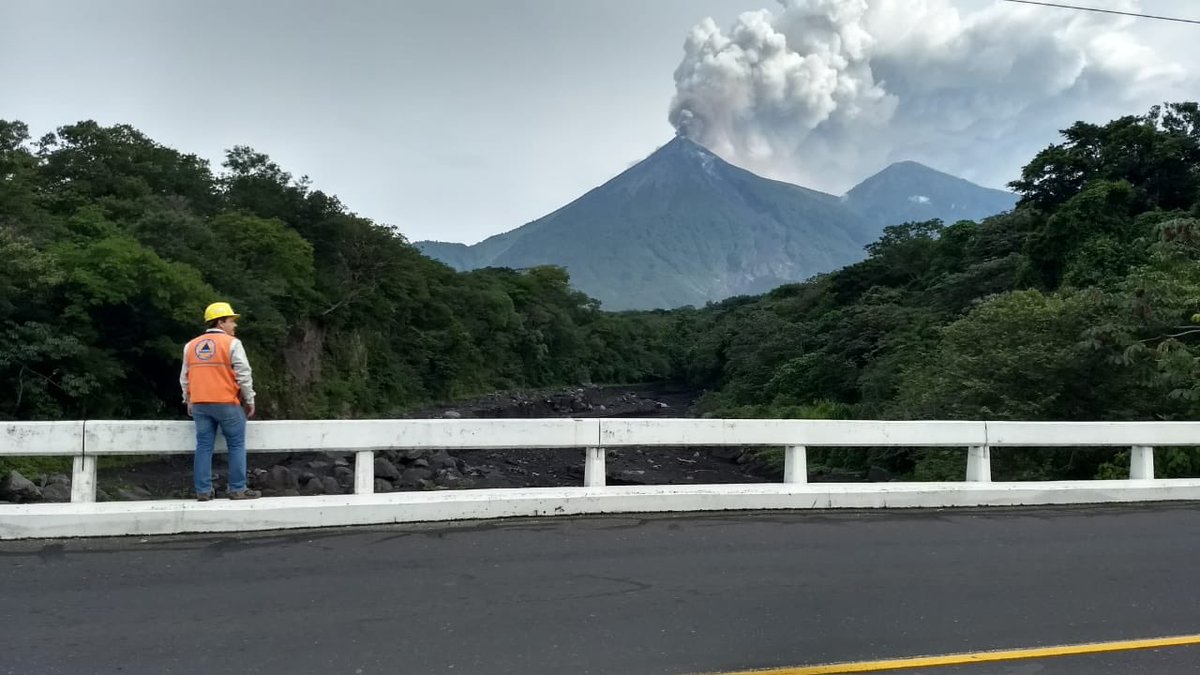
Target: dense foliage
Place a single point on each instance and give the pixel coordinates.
(111, 245)
(1077, 305)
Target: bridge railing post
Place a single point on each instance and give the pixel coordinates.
(364, 472)
(1141, 463)
(795, 464)
(593, 468)
(979, 464)
(83, 479)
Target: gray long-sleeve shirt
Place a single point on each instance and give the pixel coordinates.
(241, 370)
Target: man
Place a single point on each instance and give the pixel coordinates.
(216, 383)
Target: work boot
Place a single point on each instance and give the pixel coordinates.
(204, 496)
(245, 494)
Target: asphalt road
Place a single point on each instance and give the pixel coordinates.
(626, 595)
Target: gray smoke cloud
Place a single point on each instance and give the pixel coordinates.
(825, 92)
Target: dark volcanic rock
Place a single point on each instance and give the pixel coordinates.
(331, 486)
(17, 488)
(57, 492)
(411, 478)
(288, 474)
(281, 478)
(386, 470)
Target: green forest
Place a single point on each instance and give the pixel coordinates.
(111, 245)
(1081, 304)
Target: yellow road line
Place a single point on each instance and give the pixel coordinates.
(979, 657)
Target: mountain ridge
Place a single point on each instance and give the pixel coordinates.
(684, 227)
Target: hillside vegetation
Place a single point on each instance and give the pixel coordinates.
(1077, 305)
(111, 245)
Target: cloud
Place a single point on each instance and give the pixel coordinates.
(825, 92)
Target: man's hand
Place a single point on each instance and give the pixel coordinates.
(249, 411)
(189, 405)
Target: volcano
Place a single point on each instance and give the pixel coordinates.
(684, 227)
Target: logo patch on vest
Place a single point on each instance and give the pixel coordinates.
(206, 349)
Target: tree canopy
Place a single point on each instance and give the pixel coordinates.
(1083, 303)
(111, 245)
(1079, 304)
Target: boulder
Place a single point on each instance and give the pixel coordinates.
(412, 478)
(57, 492)
(382, 485)
(386, 470)
(282, 479)
(16, 488)
(51, 479)
(443, 460)
(314, 486)
(331, 486)
(258, 479)
(320, 466)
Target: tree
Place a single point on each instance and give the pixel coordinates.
(1157, 153)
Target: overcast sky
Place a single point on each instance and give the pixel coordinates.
(458, 120)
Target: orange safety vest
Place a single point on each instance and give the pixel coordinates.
(210, 369)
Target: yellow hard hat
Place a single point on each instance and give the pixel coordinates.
(219, 310)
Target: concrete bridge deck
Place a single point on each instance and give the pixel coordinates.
(613, 594)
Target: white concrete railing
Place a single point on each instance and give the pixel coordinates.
(86, 441)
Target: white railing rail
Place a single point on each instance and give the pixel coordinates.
(85, 441)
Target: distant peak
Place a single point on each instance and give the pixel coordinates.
(907, 172)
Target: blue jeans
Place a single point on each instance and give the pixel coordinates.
(232, 421)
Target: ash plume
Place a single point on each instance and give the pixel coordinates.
(825, 92)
